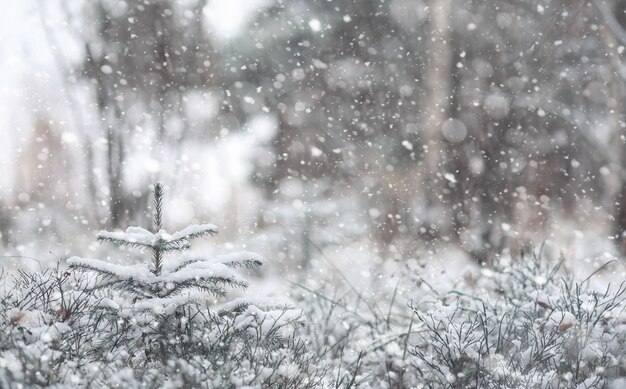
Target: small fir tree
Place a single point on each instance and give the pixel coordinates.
(153, 324)
(149, 312)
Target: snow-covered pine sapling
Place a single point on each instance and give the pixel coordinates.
(164, 280)
(154, 299)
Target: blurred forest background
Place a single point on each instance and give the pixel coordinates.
(393, 126)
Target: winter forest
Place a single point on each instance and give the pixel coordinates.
(313, 194)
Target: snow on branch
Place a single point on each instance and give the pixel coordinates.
(138, 272)
(141, 238)
(209, 277)
(264, 303)
(193, 231)
(204, 271)
(240, 260)
(244, 259)
(178, 287)
(167, 305)
(133, 236)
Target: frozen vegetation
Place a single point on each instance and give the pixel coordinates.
(168, 322)
(436, 190)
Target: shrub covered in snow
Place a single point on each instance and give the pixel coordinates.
(162, 323)
(40, 328)
(525, 326)
(522, 325)
(168, 322)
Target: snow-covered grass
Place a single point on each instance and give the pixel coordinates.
(525, 323)
(426, 321)
(58, 330)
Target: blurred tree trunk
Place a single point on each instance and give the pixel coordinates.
(6, 224)
(435, 111)
(280, 150)
(115, 163)
(111, 115)
(613, 33)
(617, 95)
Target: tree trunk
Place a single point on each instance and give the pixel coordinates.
(436, 106)
(114, 168)
(618, 144)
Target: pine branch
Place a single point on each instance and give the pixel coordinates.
(208, 272)
(100, 267)
(165, 245)
(157, 261)
(124, 242)
(138, 272)
(186, 263)
(133, 287)
(192, 232)
(162, 305)
(140, 238)
(266, 304)
(233, 281)
(244, 259)
(180, 287)
(241, 260)
(158, 246)
(158, 206)
(137, 280)
(133, 236)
